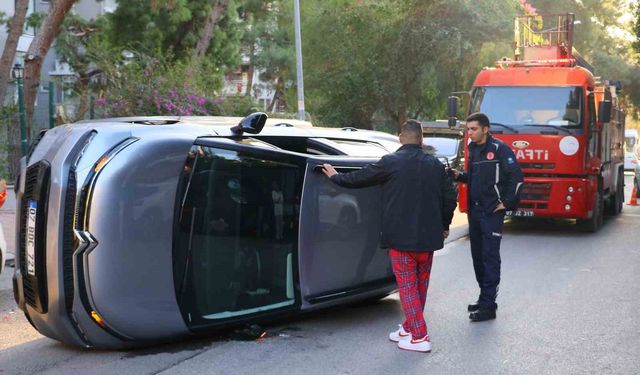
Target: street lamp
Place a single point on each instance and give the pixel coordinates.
(17, 73)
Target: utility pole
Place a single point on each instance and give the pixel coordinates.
(296, 11)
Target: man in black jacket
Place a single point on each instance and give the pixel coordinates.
(493, 179)
(418, 200)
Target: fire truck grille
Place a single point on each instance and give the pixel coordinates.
(536, 191)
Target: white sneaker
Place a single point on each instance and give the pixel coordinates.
(399, 335)
(423, 345)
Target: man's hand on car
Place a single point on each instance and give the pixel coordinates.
(499, 207)
(328, 170)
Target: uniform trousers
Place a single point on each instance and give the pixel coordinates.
(485, 234)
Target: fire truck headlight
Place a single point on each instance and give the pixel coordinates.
(569, 198)
(567, 207)
(570, 189)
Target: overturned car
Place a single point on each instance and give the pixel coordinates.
(136, 231)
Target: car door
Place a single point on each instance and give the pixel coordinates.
(339, 252)
(236, 232)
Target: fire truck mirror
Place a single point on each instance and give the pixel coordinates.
(452, 106)
(604, 111)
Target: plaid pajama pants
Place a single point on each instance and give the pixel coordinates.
(412, 271)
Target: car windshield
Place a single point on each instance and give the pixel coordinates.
(531, 109)
(237, 230)
(441, 146)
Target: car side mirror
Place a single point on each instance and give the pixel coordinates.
(452, 109)
(251, 124)
(604, 111)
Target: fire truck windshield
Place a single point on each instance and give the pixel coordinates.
(531, 109)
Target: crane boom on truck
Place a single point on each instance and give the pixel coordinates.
(565, 126)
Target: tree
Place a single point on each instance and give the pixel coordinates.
(9, 52)
(38, 50)
(393, 60)
(83, 46)
(180, 30)
(215, 14)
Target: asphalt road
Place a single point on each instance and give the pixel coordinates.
(568, 305)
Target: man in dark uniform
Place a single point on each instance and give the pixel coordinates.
(494, 179)
(418, 200)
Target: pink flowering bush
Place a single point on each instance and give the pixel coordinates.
(174, 91)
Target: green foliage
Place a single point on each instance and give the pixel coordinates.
(172, 28)
(35, 19)
(367, 63)
(393, 60)
(7, 119)
(4, 19)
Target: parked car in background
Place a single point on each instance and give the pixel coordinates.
(135, 231)
(630, 161)
(444, 142)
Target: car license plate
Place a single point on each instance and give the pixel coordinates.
(30, 240)
(520, 213)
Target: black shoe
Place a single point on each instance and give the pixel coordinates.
(473, 307)
(482, 314)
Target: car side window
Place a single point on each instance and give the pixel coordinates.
(237, 231)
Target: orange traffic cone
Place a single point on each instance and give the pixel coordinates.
(634, 197)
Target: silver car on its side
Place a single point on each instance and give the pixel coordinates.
(136, 231)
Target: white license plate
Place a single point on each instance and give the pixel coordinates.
(520, 213)
(30, 240)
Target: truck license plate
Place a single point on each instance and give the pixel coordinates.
(30, 240)
(520, 213)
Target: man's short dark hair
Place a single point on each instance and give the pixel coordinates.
(482, 119)
(412, 129)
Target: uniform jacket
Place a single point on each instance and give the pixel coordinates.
(418, 197)
(497, 177)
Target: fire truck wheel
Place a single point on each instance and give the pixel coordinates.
(592, 225)
(616, 201)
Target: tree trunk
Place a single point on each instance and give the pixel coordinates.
(216, 13)
(9, 53)
(37, 52)
(250, 73)
(83, 95)
(13, 148)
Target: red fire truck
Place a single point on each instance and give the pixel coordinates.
(565, 126)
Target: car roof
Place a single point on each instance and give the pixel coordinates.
(220, 126)
(441, 127)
